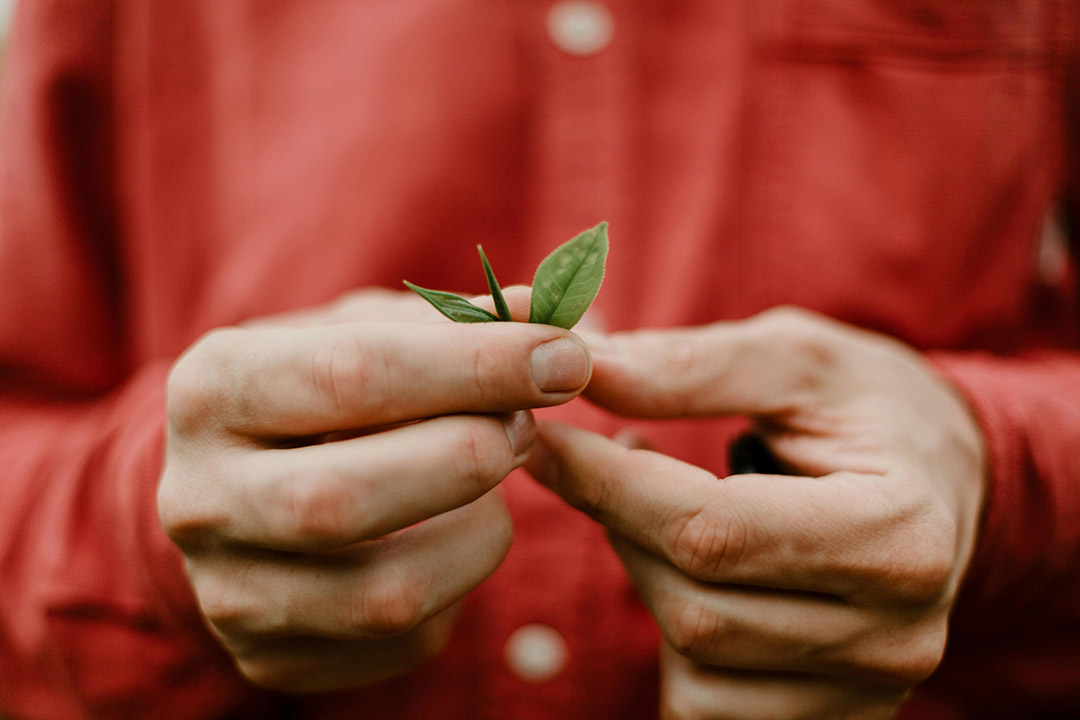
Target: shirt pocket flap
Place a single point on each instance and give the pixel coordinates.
(972, 31)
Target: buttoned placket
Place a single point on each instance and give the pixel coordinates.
(580, 81)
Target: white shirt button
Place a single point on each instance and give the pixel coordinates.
(536, 653)
(580, 27)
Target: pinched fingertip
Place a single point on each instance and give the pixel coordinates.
(518, 302)
(521, 431)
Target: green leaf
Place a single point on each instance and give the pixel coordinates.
(568, 279)
(452, 306)
(493, 286)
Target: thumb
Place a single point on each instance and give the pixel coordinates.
(771, 365)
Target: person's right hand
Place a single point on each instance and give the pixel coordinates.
(330, 486)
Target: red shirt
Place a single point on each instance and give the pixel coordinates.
(171, 167)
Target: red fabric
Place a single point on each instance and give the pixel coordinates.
(170, 167)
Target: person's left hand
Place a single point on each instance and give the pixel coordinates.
(824, 595)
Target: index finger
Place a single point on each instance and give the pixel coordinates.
(770, 365)
(785, 532)
(306, 381)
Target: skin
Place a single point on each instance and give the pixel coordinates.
(329, 478)
(824, 594)
(324, 565)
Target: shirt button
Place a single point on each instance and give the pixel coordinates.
(536, 653)
(579, 27)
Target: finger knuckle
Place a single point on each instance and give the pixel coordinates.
(170, 505)
(808, 341)
(199, 383)
(686, 357)
(694, 630)
(792, 318)
(914, 561)
(185, 521)
(678, 706)
(347, 370)
(271, 673)
(476, 457)
(925, 569)
(930, 650)
(312, 508)
(387, 607)
(914, 660)
(223, 604)
(488, 382)
(695, 362)
(704, 543)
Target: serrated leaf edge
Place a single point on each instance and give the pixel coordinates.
(599, 227)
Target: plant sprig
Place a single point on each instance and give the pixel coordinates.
(564, 286)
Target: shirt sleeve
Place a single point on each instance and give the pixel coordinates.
(1029, 409)
(96, 618)
(1016, 627)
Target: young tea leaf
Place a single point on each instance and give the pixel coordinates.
(501, 307)
(567, 281)
(452, 306)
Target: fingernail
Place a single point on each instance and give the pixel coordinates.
(560, 365)
(521, 429)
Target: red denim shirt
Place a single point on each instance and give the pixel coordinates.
(171, 167)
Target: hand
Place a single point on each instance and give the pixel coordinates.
(330, 483)
(824, 596)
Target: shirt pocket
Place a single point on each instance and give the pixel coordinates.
(959, 32)
(907, 151)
